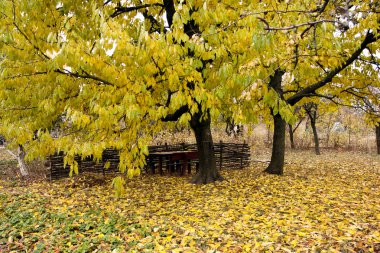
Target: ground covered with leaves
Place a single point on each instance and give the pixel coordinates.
(327, 203)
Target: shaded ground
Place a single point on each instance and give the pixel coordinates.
(8, 165)
(9, 170)
(329, 202)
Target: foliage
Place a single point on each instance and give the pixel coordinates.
(111, 84)
(327, 203)
(106, 74)
(312, 45)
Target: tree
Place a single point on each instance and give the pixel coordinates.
(21, 163)
(232, 128)
(361, 91)
(366, 95)
(118, 72)
(316, 44)
(377, 129)
(366, 99)
(292, 130)
(311, 109)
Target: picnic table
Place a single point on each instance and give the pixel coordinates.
(180, 160)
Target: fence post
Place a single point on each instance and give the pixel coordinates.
(221, 154)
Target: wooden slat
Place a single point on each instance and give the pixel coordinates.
(228, 156)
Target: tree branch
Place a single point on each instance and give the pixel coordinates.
(20, 108)
(120, 9)
(269, 28)
(154, 22)
(299, 123)
(85, 76)
(330, 75)
(107, 2)
(170, 11)
(176, 115)
(30, 42)
(25, 75)
(64, 72)
(354, 94)
(322, 8)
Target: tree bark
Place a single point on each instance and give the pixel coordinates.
(328, 131)
(21, 162)
(208, 171)
(311, 110)
(291, 137)
(276, 165)
(315, 134)
(349, 130)
(378, 139)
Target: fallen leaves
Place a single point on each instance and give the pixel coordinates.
(327, 203)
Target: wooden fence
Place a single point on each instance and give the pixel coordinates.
(228, 156)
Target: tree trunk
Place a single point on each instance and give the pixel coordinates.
(21, 162)
(268, 136)
(328, 131)
(349, 137)
(229, 126)
(208, 171)
(276, 165)
(315, 134)
(291, 137)
(378, 139)
(311, 110)
(349, 131)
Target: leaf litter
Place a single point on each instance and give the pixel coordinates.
(327, 203)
